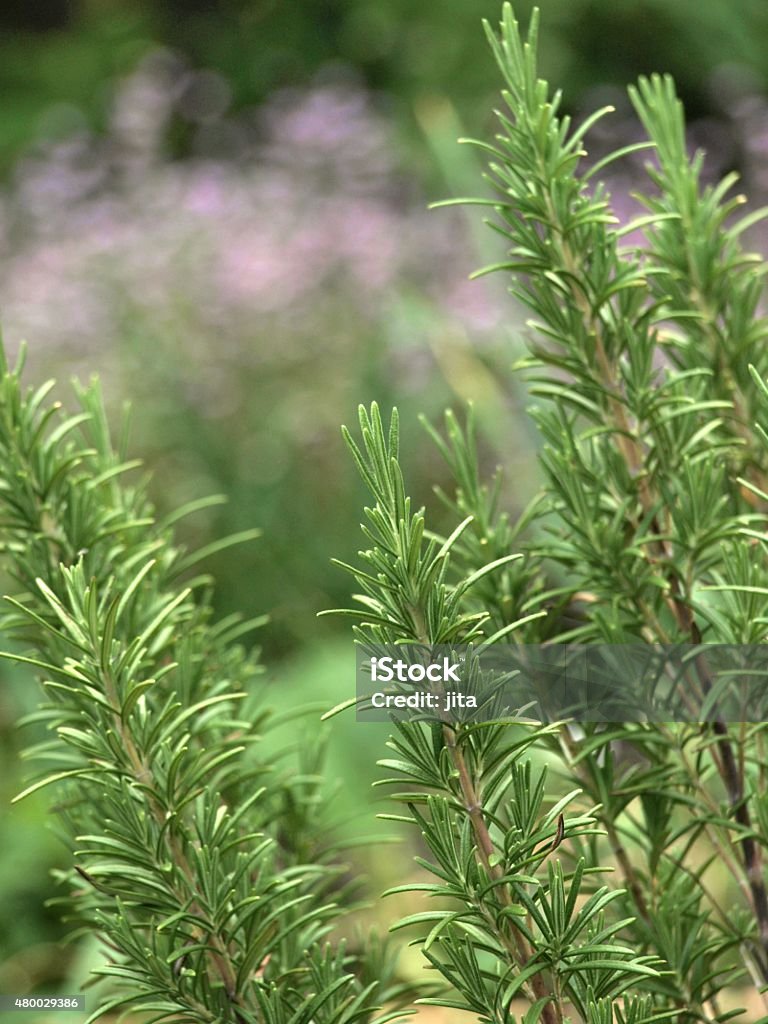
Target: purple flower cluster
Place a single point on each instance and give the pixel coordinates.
(290, 232)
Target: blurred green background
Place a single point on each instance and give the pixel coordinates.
(221, 208)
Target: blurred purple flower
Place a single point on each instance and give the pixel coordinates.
(299, 240)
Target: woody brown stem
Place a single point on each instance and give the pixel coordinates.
(617, 846)
(515, 943)
(220, 956)
(552, 1013)
(633, 453)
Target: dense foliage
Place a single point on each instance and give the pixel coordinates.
(207, 871)
(610, 872)
(601, 901)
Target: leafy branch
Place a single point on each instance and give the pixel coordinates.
(648, 362)
(478, 806)
(206, 909)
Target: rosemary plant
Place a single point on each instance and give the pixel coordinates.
(632, 888)
(635, 891)
(208, 873)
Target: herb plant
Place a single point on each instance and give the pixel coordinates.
(599, 872)
(207, 870)
(635, 890)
